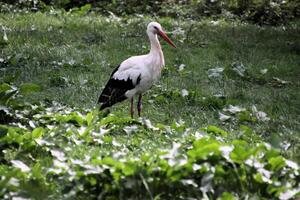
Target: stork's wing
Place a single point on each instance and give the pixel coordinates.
(115, 90)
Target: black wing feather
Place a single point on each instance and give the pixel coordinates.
(115, 90)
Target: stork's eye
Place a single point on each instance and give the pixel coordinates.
(156, 27)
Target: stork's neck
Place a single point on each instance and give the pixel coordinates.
(156, 51)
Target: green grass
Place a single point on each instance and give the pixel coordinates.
(71, 57)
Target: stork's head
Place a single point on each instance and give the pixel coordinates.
(155, 28)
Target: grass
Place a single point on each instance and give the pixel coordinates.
(71, 56)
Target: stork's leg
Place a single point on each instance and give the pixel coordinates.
(139, 105)
(131, 107)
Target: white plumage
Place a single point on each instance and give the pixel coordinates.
(136, 74)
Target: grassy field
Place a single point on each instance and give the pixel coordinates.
(239, 77)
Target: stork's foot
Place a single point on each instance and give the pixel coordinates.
(131, 107)
(139, 105)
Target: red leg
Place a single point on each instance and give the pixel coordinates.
(139, 105)
(131, 107)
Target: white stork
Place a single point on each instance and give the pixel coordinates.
(136, 74)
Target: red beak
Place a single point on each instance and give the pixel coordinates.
(166, 38)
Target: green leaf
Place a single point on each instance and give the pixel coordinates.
(92, 180)
(74, 118)
(216, 130)
(109, 161)
(37, 132)
(116, 120)
(89, 118)
(128, 170)
(6, 93)
(145, 158)
(12, 136)
(258, 178)
(245, 116)
(82, 10)
(277, 163)
(29, 87)
(227, 196)
(86, 8)
(202, 142)
(204, 148)
(37, 171)
(107, 139)
(4, 87)
(5, 97)
(241, 151)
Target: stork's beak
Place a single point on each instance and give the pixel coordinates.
(166, 38)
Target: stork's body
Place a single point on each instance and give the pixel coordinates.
(136, 74)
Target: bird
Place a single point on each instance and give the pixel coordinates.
(135, 75)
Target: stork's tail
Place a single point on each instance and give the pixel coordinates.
(111, 95)
(115, 90)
